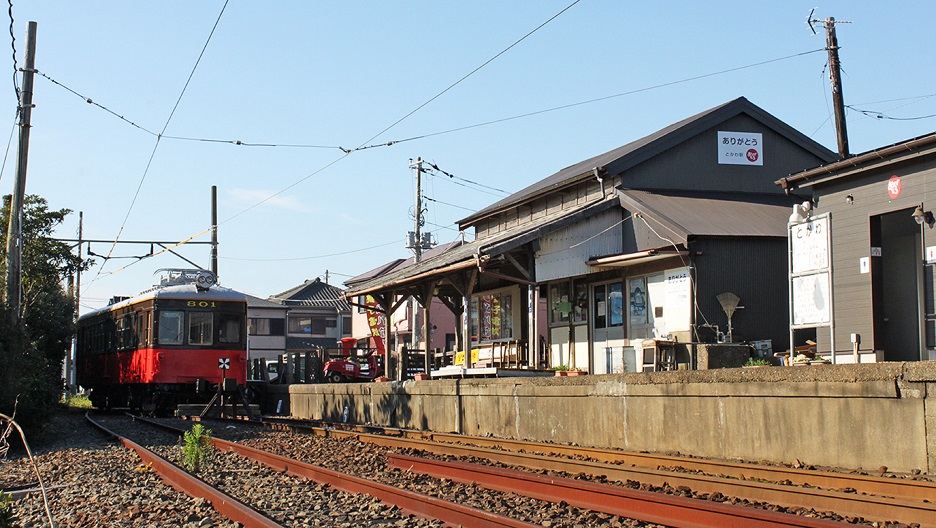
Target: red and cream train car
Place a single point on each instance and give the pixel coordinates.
(165, 346)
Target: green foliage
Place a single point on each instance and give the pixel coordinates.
(561, 368)
(757, 362)
(78, 401)
(196, 447)
(6, 511)
(31, 354)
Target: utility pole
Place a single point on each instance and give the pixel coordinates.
(14, 249)
(835, 78)
(213, 256)
(416, 244)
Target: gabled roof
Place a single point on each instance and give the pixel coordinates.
(257, 302)
(314, 293)
(710, 214)
(469, 254)
(884, 155)
(398, 264)
(638, 151)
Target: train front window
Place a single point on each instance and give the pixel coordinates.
(171, 327)
(200, 328)
(229, 330)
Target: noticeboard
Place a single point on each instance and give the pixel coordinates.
(810, 273)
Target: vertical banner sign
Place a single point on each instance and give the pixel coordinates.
(377, 323)
(740, 148)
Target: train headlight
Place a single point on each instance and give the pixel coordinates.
(204, 280)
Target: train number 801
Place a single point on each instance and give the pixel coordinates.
(201, 304)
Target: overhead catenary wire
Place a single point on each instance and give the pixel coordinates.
(469, 74)
(155, 148)
(291, 259)
(671, 83)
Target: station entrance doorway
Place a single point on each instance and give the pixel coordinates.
(896, 279)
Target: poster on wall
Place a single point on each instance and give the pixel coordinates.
(637, 290)
(678, 310)
(616, 304)
(740, 148)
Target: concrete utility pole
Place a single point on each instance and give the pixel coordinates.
(417, 248)
(14, 249)
(835, 78)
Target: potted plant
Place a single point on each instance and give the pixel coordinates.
(756, 363)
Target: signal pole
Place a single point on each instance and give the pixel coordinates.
(835, 78)
(14, 249)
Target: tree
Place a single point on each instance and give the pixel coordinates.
(31, 355)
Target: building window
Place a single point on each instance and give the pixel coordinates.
(307, 324)
(609, 305)
(262, 326)
(346, 326)
(580, 309)
(560, 306)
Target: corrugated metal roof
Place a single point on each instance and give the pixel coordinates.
(710, 214)
(402, 263)
(494, 245)
(890, 153)
(644, 148)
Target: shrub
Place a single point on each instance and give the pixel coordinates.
(196, 447)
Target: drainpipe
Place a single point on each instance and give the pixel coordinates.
(597, 173)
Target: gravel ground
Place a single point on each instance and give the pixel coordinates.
(93, 482)
(97, 483)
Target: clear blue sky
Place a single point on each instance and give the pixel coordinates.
(338, 73)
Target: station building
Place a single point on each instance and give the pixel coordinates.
(619, 252)
(878, 206)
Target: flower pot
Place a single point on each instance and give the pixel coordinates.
(422, 376)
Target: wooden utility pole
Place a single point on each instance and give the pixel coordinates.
(14, 249)
(835, 78)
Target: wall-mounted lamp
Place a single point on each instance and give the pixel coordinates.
(849, 199)
(922, 217)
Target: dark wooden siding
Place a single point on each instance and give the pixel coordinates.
(851, 238)
(754, 269)
(693, 164)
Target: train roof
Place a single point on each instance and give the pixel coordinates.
(175, 290)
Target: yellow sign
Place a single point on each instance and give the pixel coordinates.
(460, 357)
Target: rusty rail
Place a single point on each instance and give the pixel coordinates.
(912, 490)
(415, 503)
(184, 482)
(670, 510)
(847, 504)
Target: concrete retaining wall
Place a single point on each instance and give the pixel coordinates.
(834, 415)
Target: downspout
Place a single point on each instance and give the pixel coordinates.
(597, 173)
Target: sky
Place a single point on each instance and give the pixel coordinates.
(498, 94)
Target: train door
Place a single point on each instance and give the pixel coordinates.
(896, 277)
(607, 328)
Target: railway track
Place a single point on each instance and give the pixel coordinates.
(420, 505)
(848, 495)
